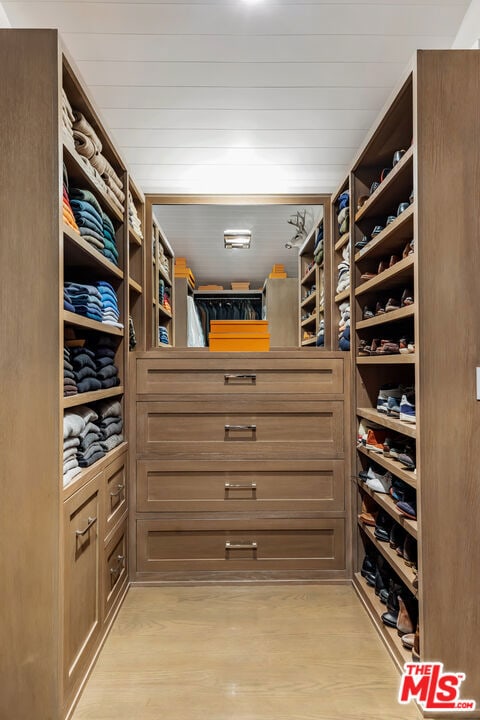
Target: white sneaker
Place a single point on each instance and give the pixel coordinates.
(379, 483)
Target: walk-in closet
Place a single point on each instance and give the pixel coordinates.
(238, 429)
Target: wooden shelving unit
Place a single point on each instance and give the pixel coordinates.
(162, 272)
(387, 504)
(404, 572)
(341, 252)
(311, 276)
(395, 467)
(136, 266)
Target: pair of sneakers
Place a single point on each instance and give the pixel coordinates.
(397, 401)
(377, 481)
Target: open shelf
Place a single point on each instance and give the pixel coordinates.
(399, 426)
(133, 238)
(404, 572)
(396, 468)
(391, 238)
(90, 397)
(135, 286)
(387, 503)
(164, 312)
(164, 275)
(80, 253)
(395, 189)
(401, 272)
(78, 173)
(388, 317)
(387, 359)
(309, 277)
(376, 609)
(342, 296)
(84, 322)
(343, 240)
(310, 299)
(310, 341)
(98, 466)
(309, 320)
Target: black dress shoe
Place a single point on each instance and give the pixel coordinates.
(383, 596)
(368, 566)
(390, 619)
(397, 536)
(370, 578)
(383, 526)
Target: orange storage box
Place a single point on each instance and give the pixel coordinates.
(239, 336)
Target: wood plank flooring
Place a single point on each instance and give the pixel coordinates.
(243, 653)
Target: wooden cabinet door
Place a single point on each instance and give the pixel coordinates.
(82, 603)
(116, 494)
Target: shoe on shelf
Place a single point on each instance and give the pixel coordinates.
(367, 313)
(383, 526)
(385, 173)
(416, 645)
(363, 348)
(368, 565)
(382, 266)
(362, 200)
(407, 458)
(361, 243)
(406, 346)
(410, 550)
(388, 348)
(407, 408)
(402, 207)
(375, 440)
(397, 156)
(390, 219)
(408, 249)
(391, 305)
(397, 537)
(394, 259)
(385, 392)
(407, 640)
(405, 624)
(377, 230)
(411, 198)
(407, 298)
(392, 447)
(393, 407)
(408, 509)
(379, 308)
(373, 187)
(379, 483)
(400, 491)
(367, 276)
(393, 608)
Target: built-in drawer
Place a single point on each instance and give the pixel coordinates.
(241, 429)
(116, 493)
(203, 376)
(250, 545)
(115, 569)
(262, 486)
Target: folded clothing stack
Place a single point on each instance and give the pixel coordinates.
(88, 145)
(161, 291)
(68, 216)
(163, 335)
(110, 311)
(318, 248)
(133, 219)
(85, 369)
(94, 225)
(107, 371)
(343, 212)
(67, 301)
(344, 326)
(75, 423)
(344, 270)
(86, 300)
(69, 384)
(68, 117)
(110, 423)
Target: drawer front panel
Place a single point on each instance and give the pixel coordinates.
(116, 492)
(253, 431)
(236, 376)
(301, 545)
(115, 568)
(203, 486)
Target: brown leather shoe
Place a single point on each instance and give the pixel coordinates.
(416, 645)
(408, 640)
(404, 622)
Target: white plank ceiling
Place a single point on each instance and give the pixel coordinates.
(196, 232)
(233, 96)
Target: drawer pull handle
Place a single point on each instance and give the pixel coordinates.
(118, 490)
(229, 376)
(241, 486)
(234, 428)
(240, 546)
(91, 521)
(120, 565)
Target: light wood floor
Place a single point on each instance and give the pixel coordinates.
(243, 653)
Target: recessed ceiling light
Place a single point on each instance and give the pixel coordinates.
(237, 239)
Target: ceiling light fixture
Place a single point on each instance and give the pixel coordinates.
(237, 239)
